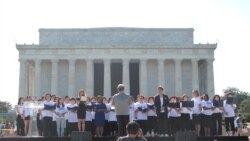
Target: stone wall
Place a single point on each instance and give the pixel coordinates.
(117, 36)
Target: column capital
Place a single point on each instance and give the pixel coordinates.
(178, 60)
(161, 59)
(125, 62)
(193, 60)
(143, 61)
(89, 60)
(211, 60)
(54, 60)
(38, 61)
(71, 61)
(22, 60)
(107, 60)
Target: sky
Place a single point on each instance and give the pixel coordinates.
(226, 22)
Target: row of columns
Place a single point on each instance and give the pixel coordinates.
(23, 88)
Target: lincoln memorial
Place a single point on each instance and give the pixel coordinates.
(97, 59)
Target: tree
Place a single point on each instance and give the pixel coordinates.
(245, 106)
(5, 106)
(239, 95)
(245, 109)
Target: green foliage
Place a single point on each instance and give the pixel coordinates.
(240, 95)
(7, 120)
(245, 106)
(5, 106)
(247, 116)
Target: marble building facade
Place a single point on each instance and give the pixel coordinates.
(97, 59)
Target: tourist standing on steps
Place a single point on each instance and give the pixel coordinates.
(121, 102)
(161, 102)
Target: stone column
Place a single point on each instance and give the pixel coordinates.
(38, 70)
(195, 73)
(54, 79)
(161, 75)
(210, 77)
(178, 77)
(143, 77)
(23, 78)
(71, 88)
(107, 78)
(125, 75)
(90, 77)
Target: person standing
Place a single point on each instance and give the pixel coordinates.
(81, 111)
(72, 116)
(197, 111)
(60, 118)
(186, 114)
(229, 113)
(141, 113)
(161, 102)
(49, 108)
(207, 107)
(100, 109)
(20, 117)
(27, 112)
(121, 102)
(217, 116)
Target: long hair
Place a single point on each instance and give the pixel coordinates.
(19, 100)
(216, 96)
(58, 102)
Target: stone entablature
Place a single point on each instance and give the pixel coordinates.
(202, 51)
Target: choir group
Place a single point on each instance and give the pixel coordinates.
(157, 115)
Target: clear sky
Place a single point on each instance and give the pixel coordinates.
(224, 21)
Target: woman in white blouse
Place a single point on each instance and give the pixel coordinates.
(207, 107)
(229, 113)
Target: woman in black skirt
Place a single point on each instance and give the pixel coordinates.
(81, 111)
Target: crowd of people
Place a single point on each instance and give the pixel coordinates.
(156, 115)
(6, 128)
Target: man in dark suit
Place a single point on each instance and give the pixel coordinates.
(161, 102)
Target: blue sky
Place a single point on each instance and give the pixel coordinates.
(224, 21)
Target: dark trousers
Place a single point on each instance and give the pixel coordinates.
(39, 125)
(174, 125)
(122, 121)
(113, 127)
(143, 125)
(88, 126)
(20, 125)
(66, 130)
(106, 129)
(217, 124)
(54, 129)
(186, 122)
(163, 126)
(229, 121)
(73, 126)
(152, 124)
(47, 126)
